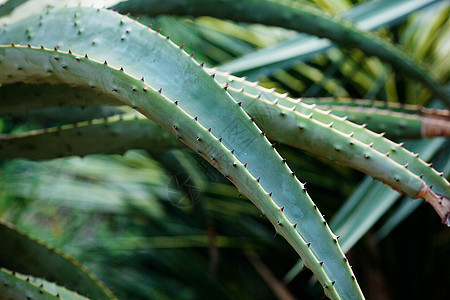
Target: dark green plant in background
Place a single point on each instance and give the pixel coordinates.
(161, 220)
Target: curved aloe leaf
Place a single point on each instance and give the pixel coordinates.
(367, 204)
(296, 16)
(336, 103)
(26, 255)
(321, 133)
(233, 144)
(109, 135)
(394, 124)
(368, 15)
(9, 6)
(360, 212)
(364, 156)
(406, 207)
(18, 286)
(18, 98)
(441, 186)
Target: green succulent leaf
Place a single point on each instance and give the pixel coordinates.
(368, 203)
(113, 135)
(441, 187)
(27, 255)
(369, 15)
(9, 6)
(397, 121)
(18, 286)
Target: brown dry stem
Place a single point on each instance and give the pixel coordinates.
(435, 127)
(440, 203)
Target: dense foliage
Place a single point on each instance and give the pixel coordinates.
(87, 180)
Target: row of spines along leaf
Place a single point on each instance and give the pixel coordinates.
(14, 286)
(280, 123)
(134, 92)
(394, 124)
(25, 254)
(343, 103)
(439, 198)
(296, 16)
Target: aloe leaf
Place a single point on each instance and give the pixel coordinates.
(9, 6)
(18, 98)
(441, 186)
(368, 203)
(326, 135)
(296, 16)
(395, 125)
(355, 218)
(287, 201)
(18, 286)
(337, 102)
(27, 255)
(30, 7)
(407, 206)
(114, 135)
(369, 15)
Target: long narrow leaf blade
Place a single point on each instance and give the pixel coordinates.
(368, 16)
(24, 254)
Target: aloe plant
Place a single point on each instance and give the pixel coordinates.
(86, 56)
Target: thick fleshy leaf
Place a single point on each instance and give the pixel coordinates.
(24, 254)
